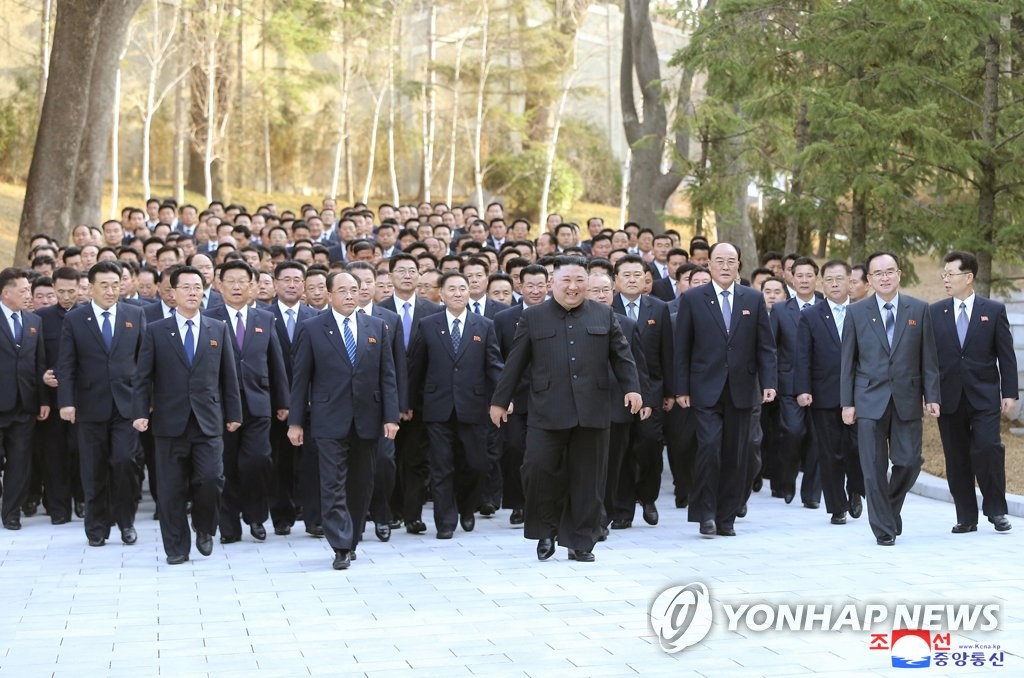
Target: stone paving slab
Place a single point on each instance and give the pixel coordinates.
(482, 605)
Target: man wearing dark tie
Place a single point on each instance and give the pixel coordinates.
(889, 364)
(344, 378)
(187, 385)
(567, 344)
(99, 346)
(22, 363)
(463, 362)
(263, 383)
(816, 382)
(978, 378)
(476, 270)
(724, 351)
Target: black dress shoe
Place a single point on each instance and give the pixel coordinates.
(602, 534)
(97, 541)
(258, 532)
(63, 520)
(395, 523)
(899, 525)
(1002, 523)
(621, 524)
(79, 508)
(650, 514)
(342, 559)
(445, 534)
(129, 536)
(315, 530)
(176, 560)
(29, 508)
(886, 541)
(839, 518)
(725, 532)
(856, 505)
(353, 555)
(282, 530)
(961, 528)
(758, 484)
(811, 505)
(517, 517)
(156, 516)
(682, 502)
(707, 528)
(545, 548)
(487, 509)
(788, 497)
(581, 556)
(13, 524)
(468, 522)
(742, 513)
(204, 543)
(382, 530)
(416, 527)
(230, 539)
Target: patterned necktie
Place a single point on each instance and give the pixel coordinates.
(350, 342)
(190, 342)
(239, 330)
(456, 335)
(806, 306)
(476, 307)
(726, 310)
(961, 324)
(406, 323)
(632, 310)
(17, 327)
(890, 322)
(839, 312)
(108, 331)
(290, 325)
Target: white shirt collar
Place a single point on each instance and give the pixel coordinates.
(400, 305)
(731, 289)
(340, 319)
(165, 310)
(98, 313)
(7, 312)
(969, 301)
(232, 311)
(368, 309)
(832, 305)
(285, 308)
(461, 317)
(183, 328)
(881, 303)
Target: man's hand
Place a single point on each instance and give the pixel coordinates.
(932, 409)
(667, 403)
(645, 413)
(232, 426)
(50, 379)
(768, 395)
(405, 416)
(44, 412)
(295, 435)
(849, 415)
(141, 425)
(390, 430)
(633, 401)
(1009, 405)
(683, 400)
(804, 399)
(282, 415)
(68, 414)
(511, 406)
(499, 415)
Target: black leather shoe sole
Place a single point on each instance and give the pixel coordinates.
(342, 561)
(961, 528)
(886, 541)
(129, 536)
(258, 532)
(581, 556)
(204, 543)
(416, 527)
(545, 549)
(176, 560)
(707, 529)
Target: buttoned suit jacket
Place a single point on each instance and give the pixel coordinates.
(262, 378)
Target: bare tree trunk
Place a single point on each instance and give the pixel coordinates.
(268, 177)
(44, 48)
(481, 93)
(988, 173)
(858, 227)
(392, 103)
(556, 125)
(453, 132)
(211, 106)
(341, 147)
(115, 151)
(430, 96)
(180, 126)
(372, 155)
(796, 189)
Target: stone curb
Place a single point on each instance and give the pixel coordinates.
(936, 488)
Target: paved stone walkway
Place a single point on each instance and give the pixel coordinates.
(481, 604)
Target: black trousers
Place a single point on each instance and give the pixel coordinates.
(882, 440)
(495, 481)
(16, 456)
(513, 449)
(974, 451)
(190, 466)
(384, 471)
(460, 459)
(755, 441)
(283, 456)
(413, 471)
(109, 453)
(720, 468)
(618, 441)
(248, 476)
(346, 483)
(58, 465)
(681, 440)
(835, 445)
(640, 479)
(310, 490)
(792, 430)
(770, 440)
(564, 476)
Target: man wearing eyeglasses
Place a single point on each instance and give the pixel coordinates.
(889, 364)
(972, 335)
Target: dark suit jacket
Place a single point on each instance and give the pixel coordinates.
(491, 308)
(260, 364)
(505, 328)
(787, 331)
(620, 414)
(216, 300)
(655, 271)
(304, 313)
(459, 382)
(53, 320)
(871, 375)
(415, 352)
(336, 394)
(819, 351)
(99, 385)
(394, 325)
(567, 353)
(664, 289)
(22, 367)
(174, 390)
(654, 322)
(153, 312)
(972, 371)
(708, 357)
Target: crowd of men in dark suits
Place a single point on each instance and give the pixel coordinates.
(344, 369)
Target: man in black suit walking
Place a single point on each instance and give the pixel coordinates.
(344, 378)
(463, 362)
(22, 363)
(248, 464)
(187, 384)
(567, 343)
(972, 337)
(100, 344)
(724, 350)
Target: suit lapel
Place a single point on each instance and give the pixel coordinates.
(203, 339)
(714, 309)
(8, 333)
(334, 337)
(446, 338)
(177, 343)
(92, 322)
(363, 323)
(467, 334)
(975, 322)
(118, 327)
(902, 320)
(877, 323)
(830, 325)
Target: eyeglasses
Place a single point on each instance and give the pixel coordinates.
(190, 289)
(946, 276)
(885, 274)
(837, 279)
(722, 263)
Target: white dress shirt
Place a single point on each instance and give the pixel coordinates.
(183, 328)
(98, 315)
(340, 319)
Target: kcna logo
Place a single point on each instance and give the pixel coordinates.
(681, 616)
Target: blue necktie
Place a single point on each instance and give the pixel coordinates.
(890, 322)
(350, 342)
(406, 323)
(290, 325)
(190, 342)
(476, 307)
(840, 315)
(108, 331)
(632, 310)
(456, 335)
(726, 310)
(17, 327)
(961, 324)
